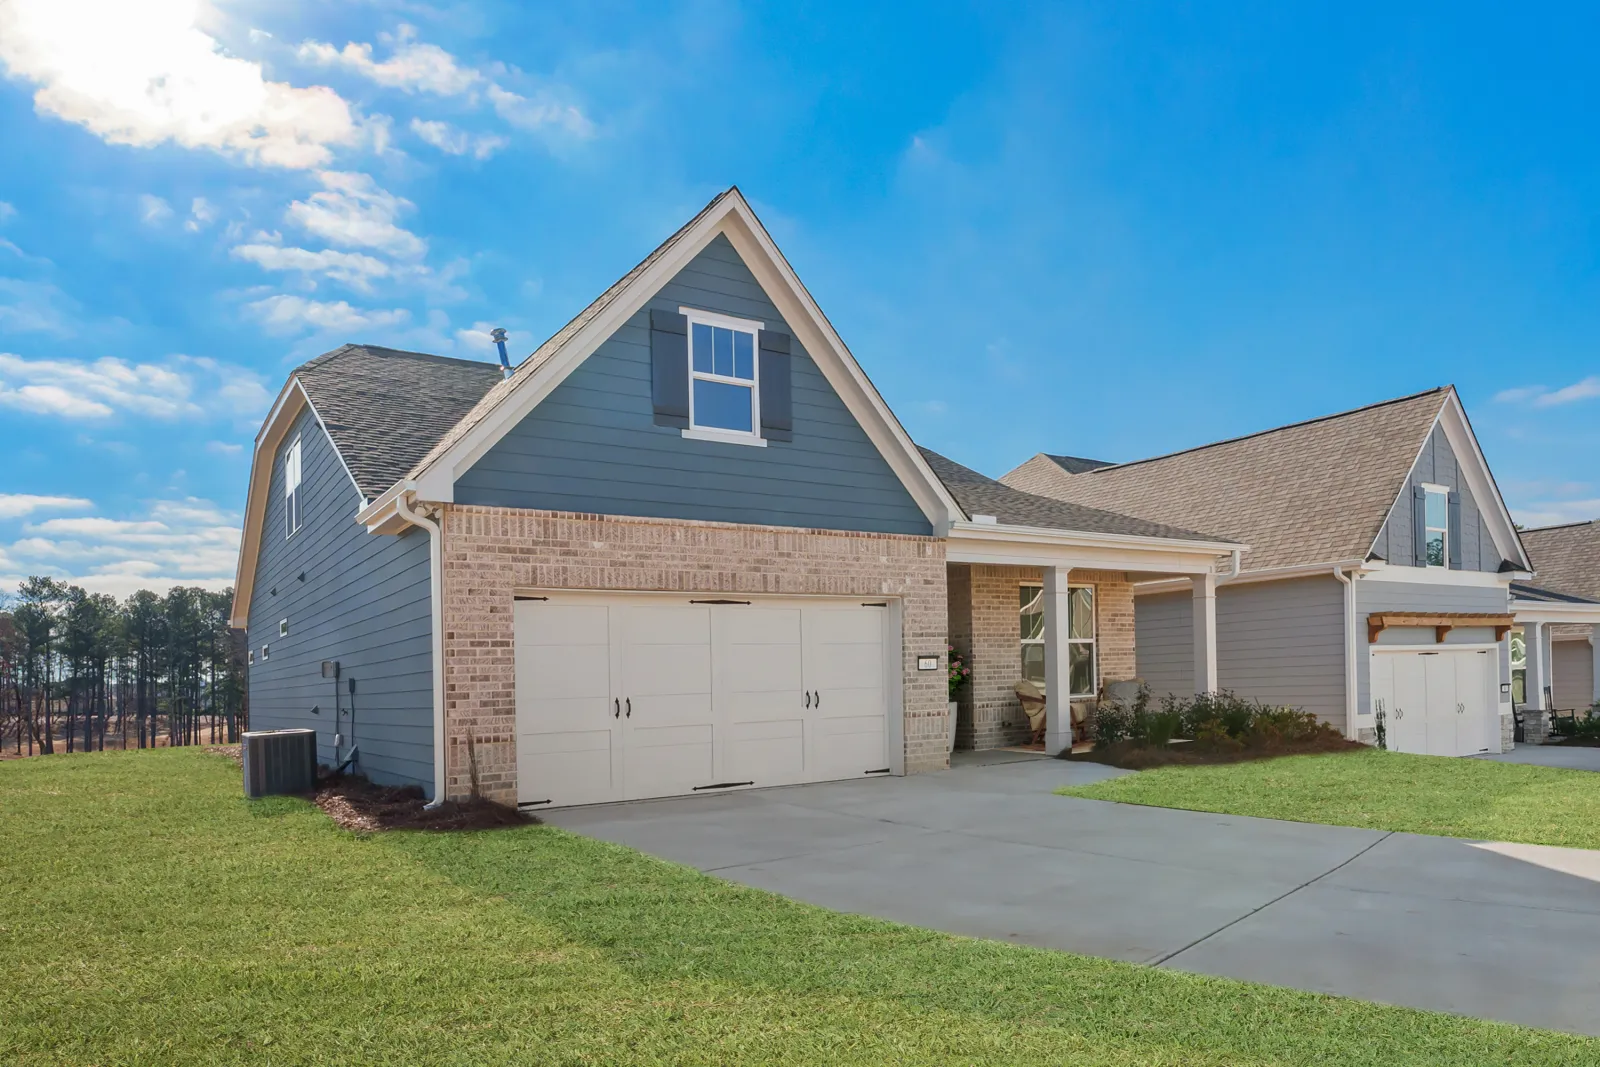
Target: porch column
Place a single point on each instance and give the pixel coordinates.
(1057, 684)
(1538, 668)
(1594, 647)
(1205, 633)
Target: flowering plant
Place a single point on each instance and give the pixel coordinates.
(960, 673)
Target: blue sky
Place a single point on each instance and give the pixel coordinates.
(1110, 230)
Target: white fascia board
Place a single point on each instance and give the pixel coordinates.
(1029, 546)
(1480, 479)
(734, 219)
(1398, 572)
(1545, 611)
(1351, 567)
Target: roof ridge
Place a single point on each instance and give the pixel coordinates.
(1442, 390)
(344, 349)
(1560, 525)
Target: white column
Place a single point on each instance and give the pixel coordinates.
(1205, 633)
(1057, 686)
(1538, 669)
(1594, 645)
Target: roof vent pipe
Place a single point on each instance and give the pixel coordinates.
(498, 336)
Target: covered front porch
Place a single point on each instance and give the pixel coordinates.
(1054, 608)
(1555, 656)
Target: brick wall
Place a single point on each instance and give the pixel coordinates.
(985, 626)
(489, 553)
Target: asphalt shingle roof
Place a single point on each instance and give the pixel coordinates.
(384, 408)
(981, 495)
(1566, 559)
(1311, 492)
(1524, 591)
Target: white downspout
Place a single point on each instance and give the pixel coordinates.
(1350, 693)
(436, 609)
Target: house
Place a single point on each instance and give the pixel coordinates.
(682, 547)
(1378, 579)
(1556, 646)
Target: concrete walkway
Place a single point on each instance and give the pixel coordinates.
(1574, 757)
(988, 851)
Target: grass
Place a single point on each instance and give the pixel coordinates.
(150, 915)
(1383, 791)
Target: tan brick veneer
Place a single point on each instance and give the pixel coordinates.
(986, 628)
(489, 553)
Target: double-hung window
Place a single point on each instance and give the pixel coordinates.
(1519, 666)
(1436, 522)
(1081, 668)
(291, 489)
(724, 378)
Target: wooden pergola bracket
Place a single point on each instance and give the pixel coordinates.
(1442, 622)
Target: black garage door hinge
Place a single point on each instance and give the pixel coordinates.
(746, 602)
(721, 785)
(532, 598)
(880, 770)
(531, 803)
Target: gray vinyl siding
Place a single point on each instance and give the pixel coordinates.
(1571, 674)
(1437, 465)
(1420, 597)
(364, 602)
(1278, 642)
(592, 445)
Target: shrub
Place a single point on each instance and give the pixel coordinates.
(1215, 720)
(960, 673)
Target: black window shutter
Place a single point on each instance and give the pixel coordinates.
(669, 368)
(1419, 525)
(777, 404)
(1453, 537)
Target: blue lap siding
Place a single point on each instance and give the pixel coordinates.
(592, 445)
(364, 602)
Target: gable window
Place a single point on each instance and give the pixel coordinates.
(1080, 638)
(1436, 525)
(724, 387)
(291, 489)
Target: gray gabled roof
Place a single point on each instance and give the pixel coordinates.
(1566, 558)
(1312, 492)
(980, 495)
(1524, 591)
(1077, 464)
(384, 407)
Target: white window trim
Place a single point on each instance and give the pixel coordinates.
(727, 322)
(1093, 640)
(297, 513)
(1445, 491)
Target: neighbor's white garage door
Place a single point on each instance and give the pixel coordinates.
(1436, 703)
(623, 697)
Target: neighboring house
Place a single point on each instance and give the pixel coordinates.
(683, 546)
(1557, 642)
(1378, 578)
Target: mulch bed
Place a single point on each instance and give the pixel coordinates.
(356, 804)
(1132, 757)
(1575, 742)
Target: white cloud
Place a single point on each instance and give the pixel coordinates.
(424, 68)
(182, 387)
(153, 209)
(411, 66)
(1556, 512)
(7, 212)
(286, 313)
(34, 306)
(202, 213)
(446, 138)
(353, 212)
(173, 542)
(16, 505)
(145, 73)
(224, 448)
(1543, 397)
(352, 268)
(476, 340)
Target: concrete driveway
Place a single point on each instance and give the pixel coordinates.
(1501, 932)
(1574, 757)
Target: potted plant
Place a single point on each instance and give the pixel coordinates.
(960, 674)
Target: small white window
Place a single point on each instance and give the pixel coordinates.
(1437, 523)
(1081, 666)
(252, 657)
(266, 651)
(724, 378)
(291, 489)
(283, 627)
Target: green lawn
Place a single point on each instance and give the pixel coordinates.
(1383, 791)
(149, 914)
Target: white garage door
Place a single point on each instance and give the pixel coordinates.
(1435, 703)
(625, 697)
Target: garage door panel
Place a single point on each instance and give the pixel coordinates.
(762, 669)
(564, 672)
(566, 768)
(665, 625)
(771, 752)
(540, 623)
(848, 747)
(661, 761)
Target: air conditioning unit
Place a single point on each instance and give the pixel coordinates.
(279, 761)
